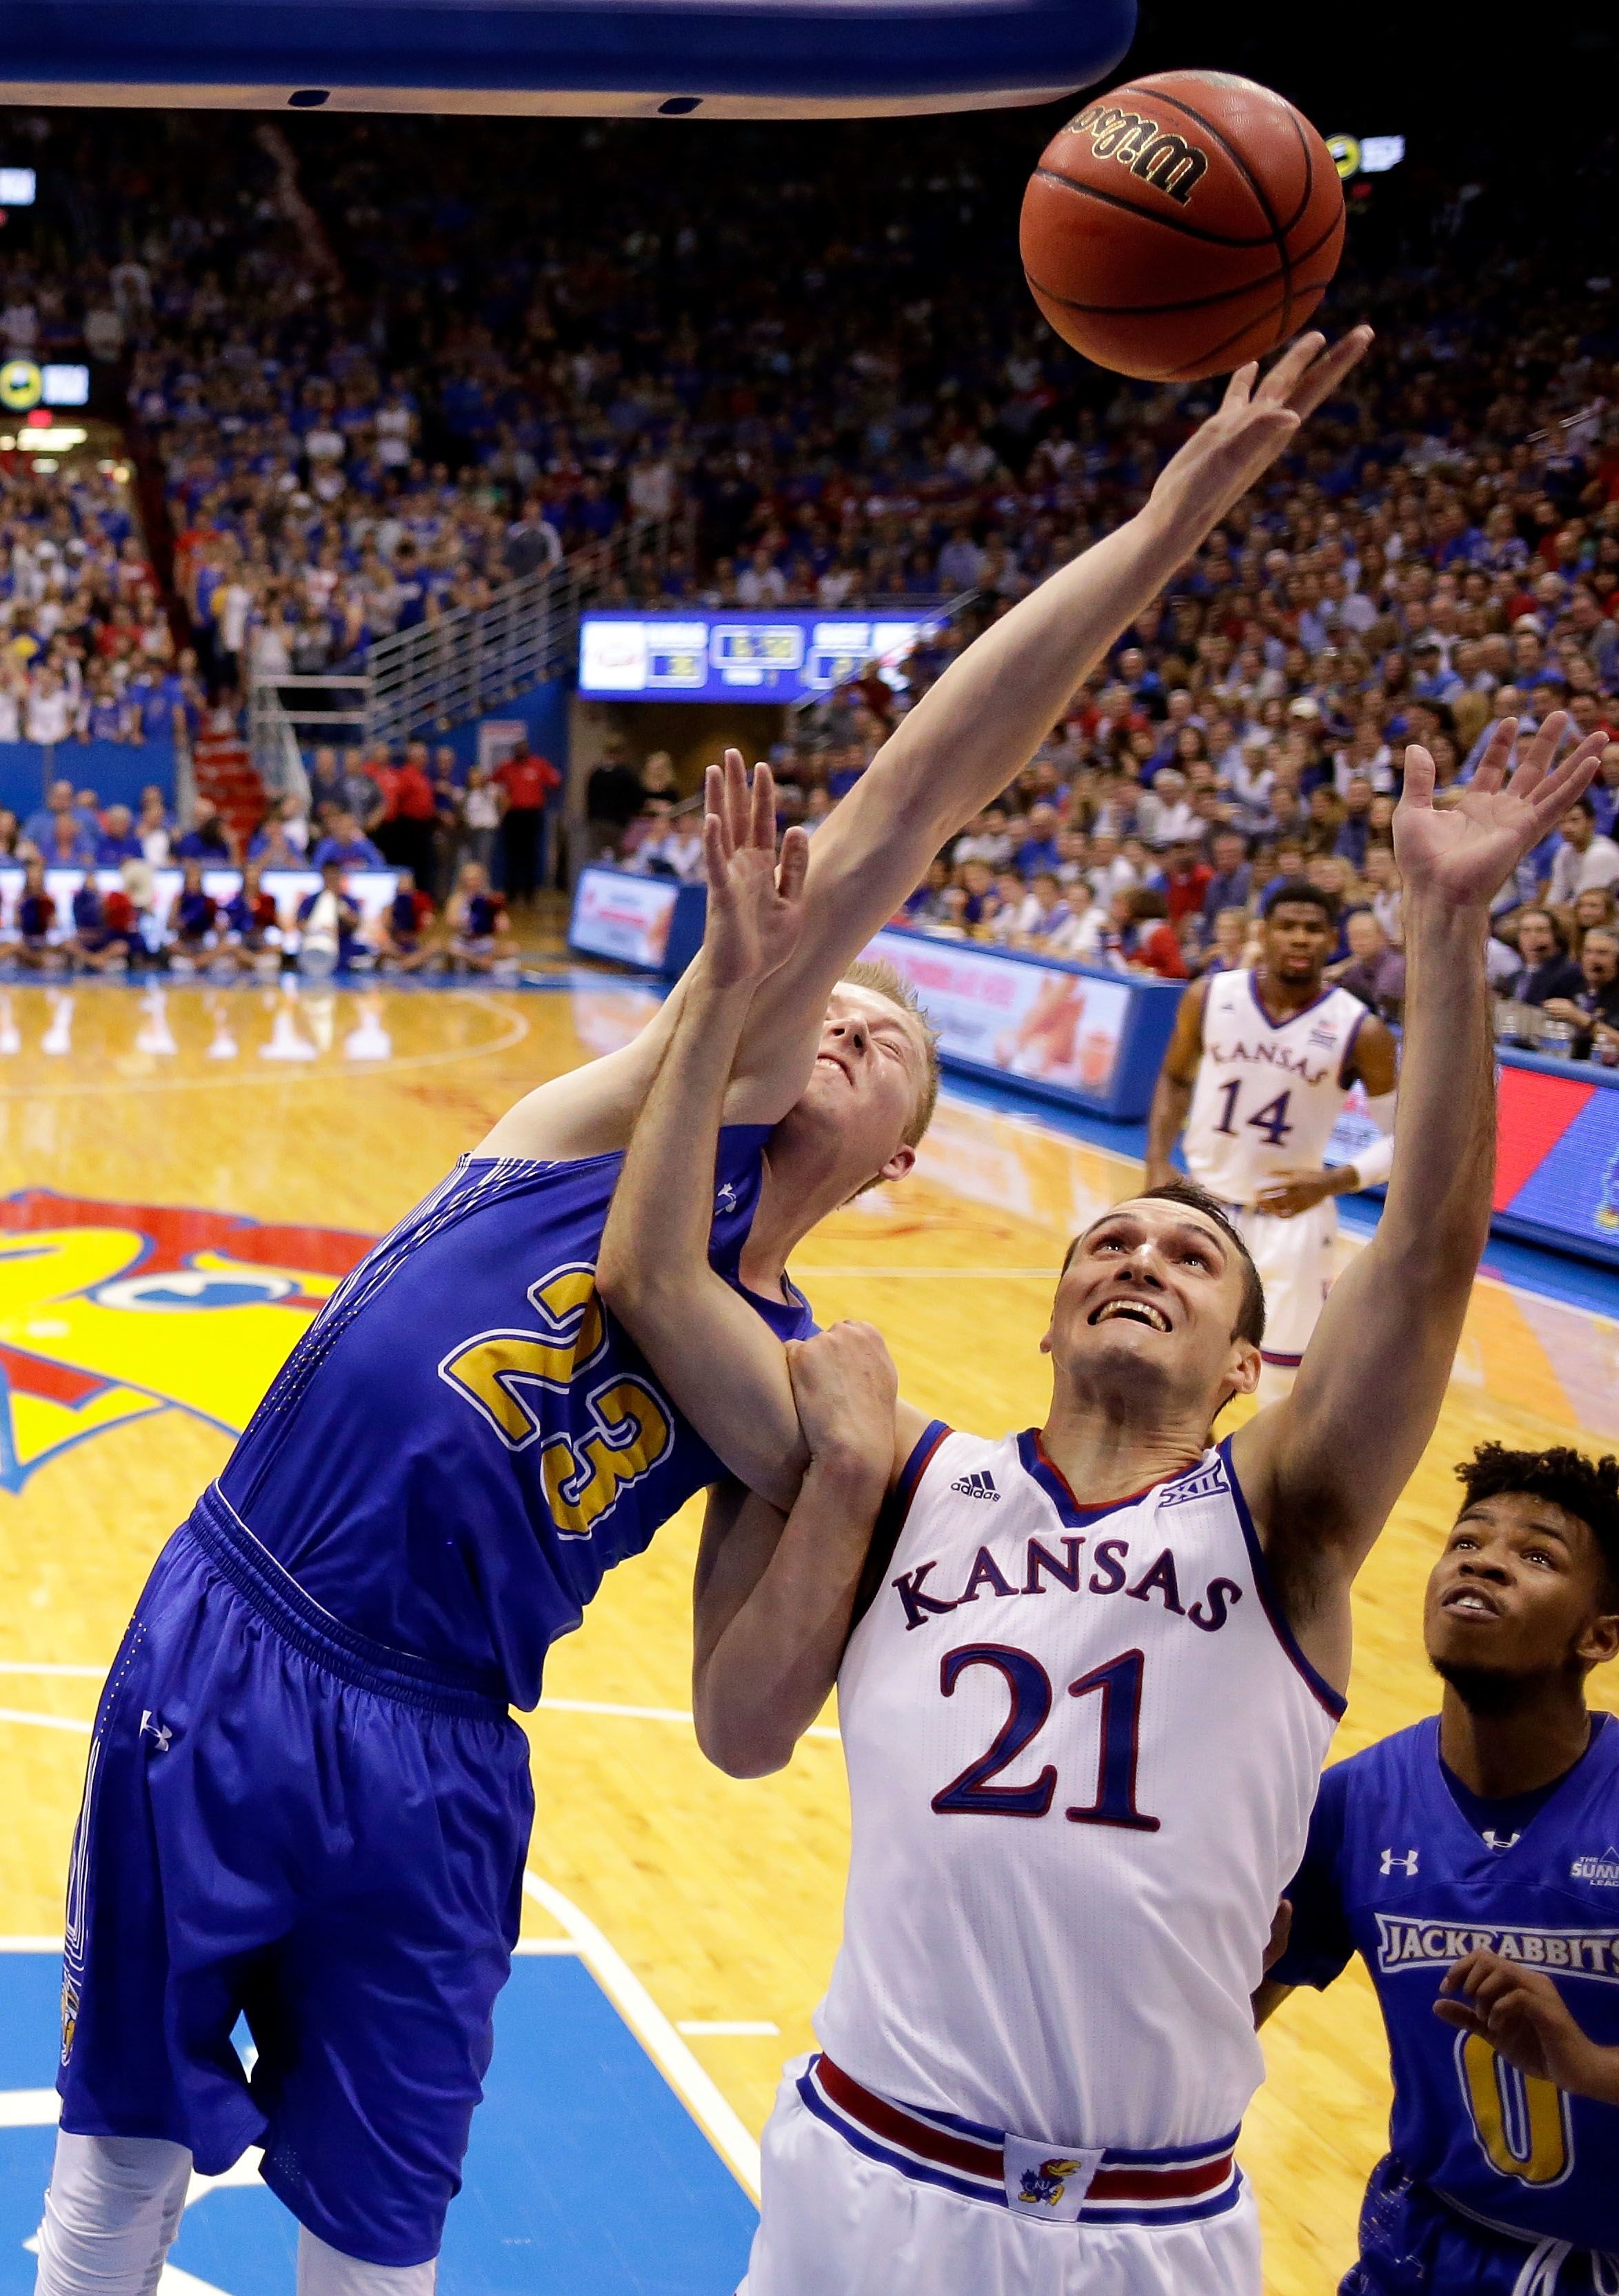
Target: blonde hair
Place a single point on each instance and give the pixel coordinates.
(884, 979)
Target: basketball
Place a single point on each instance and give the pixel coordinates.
(1182, 225)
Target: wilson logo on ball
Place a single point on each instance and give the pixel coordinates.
(1144, 147)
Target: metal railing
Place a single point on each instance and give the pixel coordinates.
(448, 672)
(283, 712)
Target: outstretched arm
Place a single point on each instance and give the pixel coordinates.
(725, 1370)
(980, 725)
(1320, 1486)
(958, 749)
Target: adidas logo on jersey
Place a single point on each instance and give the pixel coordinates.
(978, 1485)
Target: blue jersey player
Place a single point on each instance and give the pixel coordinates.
(306, 1801)
(1473, 1863)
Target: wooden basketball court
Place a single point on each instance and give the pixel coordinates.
(134, 1342)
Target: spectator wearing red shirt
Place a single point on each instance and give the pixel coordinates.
(524, 781)
(1186, 879)
(412, 816)
(1150, 945)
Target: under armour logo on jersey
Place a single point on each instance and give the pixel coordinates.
(977, 1485)
(150, 1728)
(1406, 1859)
(1494, 1841)
(725, 1198)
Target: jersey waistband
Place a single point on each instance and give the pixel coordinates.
(1036, 2179)
(278, 1599)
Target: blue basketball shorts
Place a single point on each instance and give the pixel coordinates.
(1414, 2243)
(284, 1821)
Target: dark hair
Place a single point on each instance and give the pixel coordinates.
(1554, 924)
(1145, 904)
(1251, 1313)
(1301, 891)
(1586, 1488)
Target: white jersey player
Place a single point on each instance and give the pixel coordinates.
(1087, 1674)
(1257, 1073)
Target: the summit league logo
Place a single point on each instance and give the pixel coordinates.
(1603, 1871)
(113, 1312)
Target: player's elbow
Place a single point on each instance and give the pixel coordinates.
(741, 1743)
(629, 1279)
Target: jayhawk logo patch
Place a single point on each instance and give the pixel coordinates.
(1045, 2183)
(111, 1312)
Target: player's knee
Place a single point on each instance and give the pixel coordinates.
(326, 2271)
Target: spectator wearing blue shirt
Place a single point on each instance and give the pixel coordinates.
(71, 845)
(40, 827)
(1603, 792)
(1040, 851)
(345, 847)
(208, 838)
(118, 841)
(1231, 887)
(1355, 830)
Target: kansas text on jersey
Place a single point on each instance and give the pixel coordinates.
(1268, 1091)
(1082, 1750)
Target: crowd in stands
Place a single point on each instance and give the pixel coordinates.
(87, 651)
(386, 366)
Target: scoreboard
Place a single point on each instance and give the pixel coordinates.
(727, 657)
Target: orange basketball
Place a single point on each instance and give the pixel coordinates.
(1181, 224)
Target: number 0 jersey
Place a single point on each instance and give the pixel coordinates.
(1082, 1750)
(1396, 1873)
(463, 1444)
(1268, 1092)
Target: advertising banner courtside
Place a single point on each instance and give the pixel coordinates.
(1065, 1030)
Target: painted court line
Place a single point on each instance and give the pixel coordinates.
(44, 1721)
(79, 1673)
(657, 2036)
(646, 1713)
(725, 2027)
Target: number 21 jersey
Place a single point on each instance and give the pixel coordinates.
(1268, 1091)
(1082, 1750)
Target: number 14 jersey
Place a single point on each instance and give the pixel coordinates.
(1082, 1750)
(1268, 1091)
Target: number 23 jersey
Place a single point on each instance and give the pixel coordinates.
(1268, 1091)
(463, 1443)
(1082, 1750)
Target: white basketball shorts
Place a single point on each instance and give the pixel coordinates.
(1296, 1260)
(834, 2222)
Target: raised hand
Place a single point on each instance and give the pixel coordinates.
(1525, 2018)
(1465, 855)
(1252, 425)
(755, 903)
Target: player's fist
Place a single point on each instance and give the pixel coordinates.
(845, 1387)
